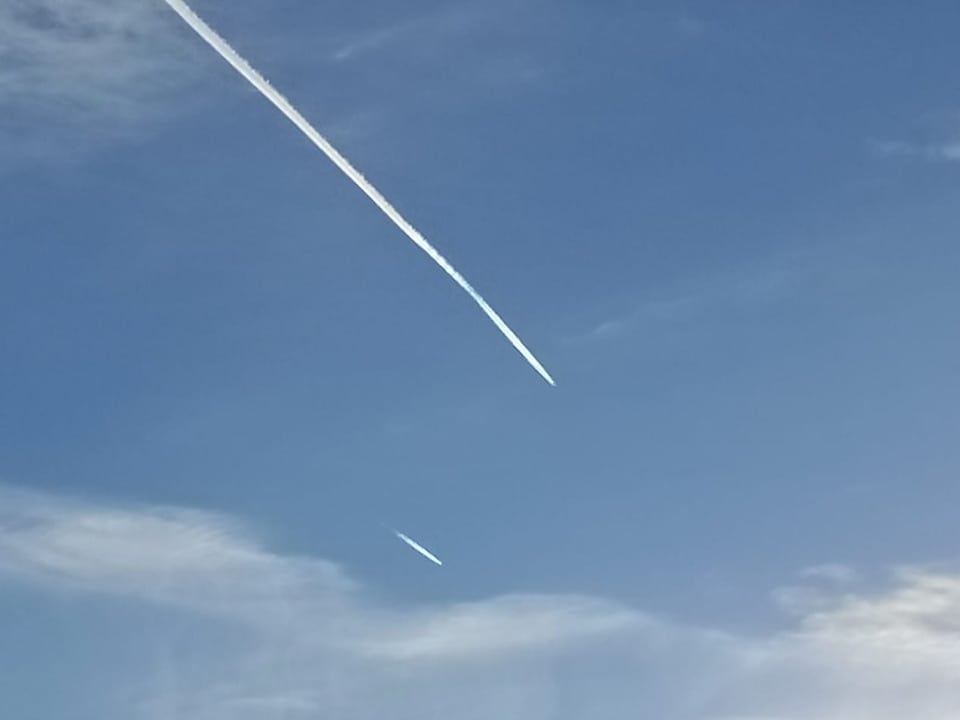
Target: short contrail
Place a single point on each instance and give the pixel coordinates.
(418, 547)
(270, 93)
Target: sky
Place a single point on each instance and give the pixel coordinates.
(728, 230)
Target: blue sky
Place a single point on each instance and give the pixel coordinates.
(728, 231)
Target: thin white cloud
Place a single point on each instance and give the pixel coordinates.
(92, 59)
(830, 572)
(943, 151)
(171, 556)
(423, 34)
(816, 590)
(950, 151)
(728, 291)
(501, 624)
(301, 640)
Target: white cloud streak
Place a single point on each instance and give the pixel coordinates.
(291, 113)
(447, 24)
(290, 637)
(728, 290)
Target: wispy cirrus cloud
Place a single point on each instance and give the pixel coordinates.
(816, 589)
(484, 47)
(422, 34)
(76, 75)
(745, 287)
(831, 573)
(91, 58)
(942, 151)
(297, 638)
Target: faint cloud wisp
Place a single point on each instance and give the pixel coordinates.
(418, 33)
(85, 56)
(741, 288)
(946, 151)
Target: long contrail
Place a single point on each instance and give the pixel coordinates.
(418, 547)
(283, 105)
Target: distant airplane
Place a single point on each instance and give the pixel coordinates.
(418, 547)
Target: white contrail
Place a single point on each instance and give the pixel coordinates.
(270, 93)
(418, 547)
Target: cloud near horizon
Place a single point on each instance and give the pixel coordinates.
(280, 636)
